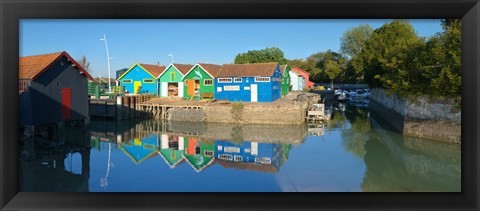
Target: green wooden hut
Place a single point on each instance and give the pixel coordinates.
(171, 80)
(199, 81)
(285, 69)
(172, 149)
(199, 153)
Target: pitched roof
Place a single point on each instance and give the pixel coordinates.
(153, 69)
(183, 68)
(283, 68)
(213, 69)
(242, 70)
(299, 70)
(30, 67)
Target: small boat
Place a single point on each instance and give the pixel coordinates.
(341, 96)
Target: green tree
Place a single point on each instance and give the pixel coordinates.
(272, 54)
(441, 61)
(352, 41)
(390, 59)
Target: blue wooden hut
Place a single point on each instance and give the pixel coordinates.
(140, 149)
(141, 78)
(259, 82)
(53, 88)
(249, 152)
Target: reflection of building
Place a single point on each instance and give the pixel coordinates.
(140, 149)
(172, 148)
(199, 153)
(269, 154)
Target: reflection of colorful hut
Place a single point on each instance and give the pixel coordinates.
(140, 149)
(249, 152)
(172, 149)
(199, 153)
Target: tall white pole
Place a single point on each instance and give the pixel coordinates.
(108, 63)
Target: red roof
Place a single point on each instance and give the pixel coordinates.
(246, 70)
(299, 71)
(30, 67)
(153, 69)
(213, 69)
(183, 68)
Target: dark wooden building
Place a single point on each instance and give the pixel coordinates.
(52, 89)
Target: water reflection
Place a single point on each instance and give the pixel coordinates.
(356, 151)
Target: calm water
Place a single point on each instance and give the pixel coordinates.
(355, 152)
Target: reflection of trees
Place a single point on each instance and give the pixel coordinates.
(354, 138)
(398, 163)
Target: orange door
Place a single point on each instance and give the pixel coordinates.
(191, 87)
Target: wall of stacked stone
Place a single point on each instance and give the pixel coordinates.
(265, 114)
(418, 117)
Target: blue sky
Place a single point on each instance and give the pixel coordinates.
(190, 41)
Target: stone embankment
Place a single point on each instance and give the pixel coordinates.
(289, 110)
(420, 117)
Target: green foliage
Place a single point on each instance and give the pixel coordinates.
(396, 59)
(389, 57)
(272, 54)
(352, 41)
(441, 61)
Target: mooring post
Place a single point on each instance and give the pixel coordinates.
(119, 113)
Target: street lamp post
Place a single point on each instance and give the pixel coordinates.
(108, 63)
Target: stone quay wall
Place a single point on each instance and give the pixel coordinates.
(265, 114)
(419, 117)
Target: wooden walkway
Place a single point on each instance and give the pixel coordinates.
(159, 107)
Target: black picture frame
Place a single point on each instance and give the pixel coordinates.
(12, 11)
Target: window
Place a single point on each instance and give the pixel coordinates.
(262, 79)
(208, 153)
(237, 80)
(263, 160)
(148, 81)
(208, 82)
(127, 81)
(224, 80)
(23, 86)
(225, 157)
(237, 158)
(173, 75)
(149, 146)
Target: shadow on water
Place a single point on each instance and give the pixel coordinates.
(399, 163)
(58, 165)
